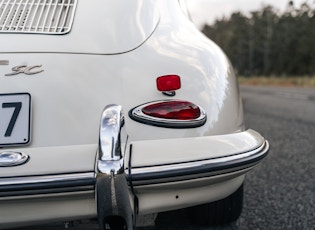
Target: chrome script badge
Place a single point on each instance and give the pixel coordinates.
(28, 70)
(4, 62)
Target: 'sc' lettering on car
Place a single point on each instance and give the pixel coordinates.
(4, 62)
(28, 70)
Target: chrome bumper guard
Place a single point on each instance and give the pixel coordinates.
(49, 184)
(112, 194)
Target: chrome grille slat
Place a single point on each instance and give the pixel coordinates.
(22, 15)
(34, 15)
(52, 14)
(13, 12)
(2, 9)
(46, 15)
(41, 9)
(65, 18)
(18, 18)
(59, 15)
(7, 16)
(37, 16)
(27, 14)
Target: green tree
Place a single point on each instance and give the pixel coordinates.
(269, 42)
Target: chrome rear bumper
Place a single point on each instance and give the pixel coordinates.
(124, 168)
(155, 162)
(196, 169)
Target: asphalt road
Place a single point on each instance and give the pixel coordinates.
(280, 192)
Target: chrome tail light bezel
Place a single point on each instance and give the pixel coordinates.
(137, 114)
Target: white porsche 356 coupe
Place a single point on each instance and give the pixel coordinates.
(114, 109)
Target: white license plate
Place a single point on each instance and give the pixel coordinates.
(15, 119)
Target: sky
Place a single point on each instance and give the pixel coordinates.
(206, 11)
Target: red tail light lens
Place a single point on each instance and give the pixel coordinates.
(168, 83)
(181, 110)
(170, 114)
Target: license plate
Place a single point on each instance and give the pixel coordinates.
(15, 119)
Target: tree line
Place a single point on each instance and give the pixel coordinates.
(268, 42)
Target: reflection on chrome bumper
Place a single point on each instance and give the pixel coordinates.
(50, 184)
(111, 185)
(197, 169)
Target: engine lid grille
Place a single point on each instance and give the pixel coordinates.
(37, 16)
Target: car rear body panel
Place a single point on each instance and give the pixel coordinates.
(113, 54)
(102, 27)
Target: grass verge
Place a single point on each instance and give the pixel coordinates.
(278, 81)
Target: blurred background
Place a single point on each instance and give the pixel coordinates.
(268, 42)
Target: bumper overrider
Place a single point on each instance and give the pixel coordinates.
(111, 184)
(117, 182)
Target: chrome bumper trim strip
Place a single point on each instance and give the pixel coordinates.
(197, 169)
(47, 184)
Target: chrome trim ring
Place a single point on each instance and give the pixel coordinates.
(10, 158)
(137, 115)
